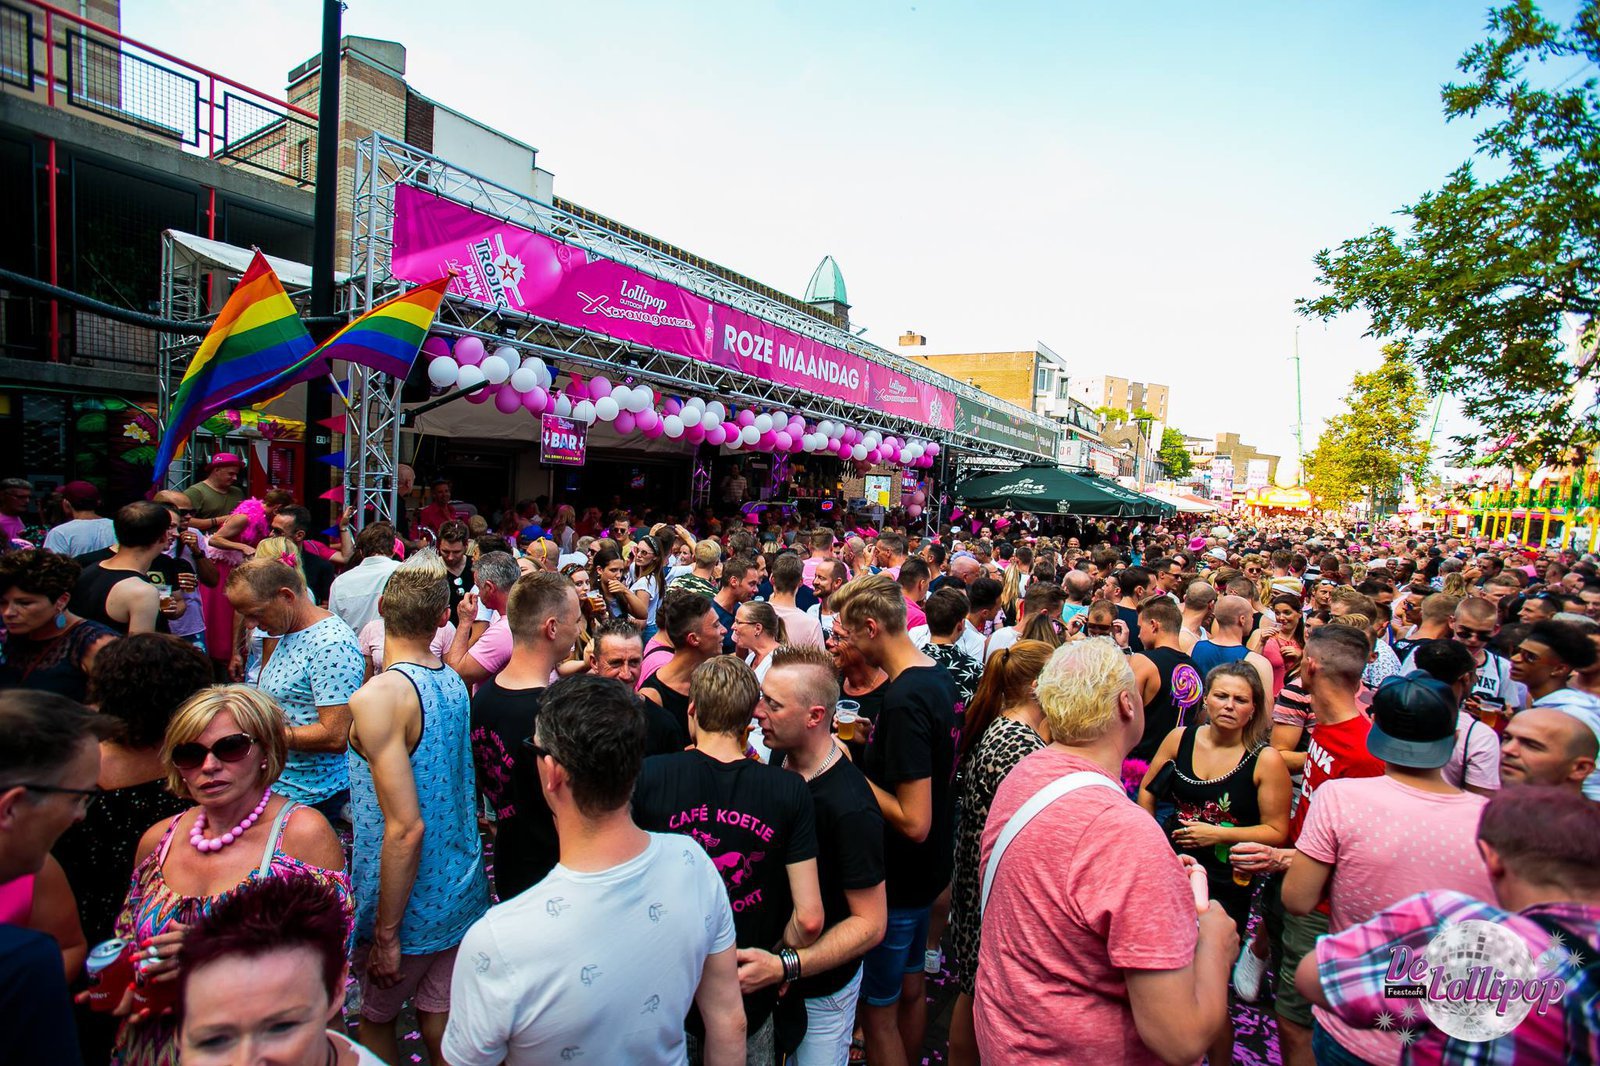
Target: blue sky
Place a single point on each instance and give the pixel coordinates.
(1141, 187)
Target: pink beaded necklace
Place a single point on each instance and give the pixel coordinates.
(198, 838)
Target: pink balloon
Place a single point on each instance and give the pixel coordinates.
(469, 351)
(931, 450)
(766, 441)
(852, 436)
(578, 389)
(671, 407)
(599, 388)
(836, 446)
(919, 497)
(483, 395)
(694, 434)
(536, 401)
(783, 441)
(915, 510)
(874, 456)
(625, 423)
(507, 399)
(436, 345)
(746, 417)
(716, 435)
(647, 419)
(654, 431)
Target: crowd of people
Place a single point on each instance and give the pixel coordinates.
(639, 787)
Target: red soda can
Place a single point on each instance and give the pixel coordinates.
(110, 971)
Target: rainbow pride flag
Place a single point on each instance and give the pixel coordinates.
(386, 339)
(257, 334)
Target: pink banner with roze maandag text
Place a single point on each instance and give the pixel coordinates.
(502, 265)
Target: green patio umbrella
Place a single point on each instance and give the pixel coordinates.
(1044, 489)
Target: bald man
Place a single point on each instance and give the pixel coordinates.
(1545, 746)
(1230, 625)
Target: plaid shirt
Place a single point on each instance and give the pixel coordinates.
(1352, 966)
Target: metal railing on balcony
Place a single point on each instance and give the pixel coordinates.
(67, 61)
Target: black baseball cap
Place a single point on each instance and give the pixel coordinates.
(1413, 721)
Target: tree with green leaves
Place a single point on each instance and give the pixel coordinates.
(1378, 437)
(1173, 455)
(1482, 284)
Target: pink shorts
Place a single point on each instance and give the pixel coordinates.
(424, 980)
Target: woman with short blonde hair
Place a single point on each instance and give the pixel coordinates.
(224, 748)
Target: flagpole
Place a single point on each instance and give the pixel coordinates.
(324, 219)
(338, 390)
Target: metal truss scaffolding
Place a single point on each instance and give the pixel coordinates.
(383, 163)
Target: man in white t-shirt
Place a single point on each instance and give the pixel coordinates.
(600, 961)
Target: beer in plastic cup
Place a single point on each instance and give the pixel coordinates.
(110, 970)
(845, 716)
(1242, 878)
(165, 592)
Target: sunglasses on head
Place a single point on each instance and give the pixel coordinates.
(192, 755)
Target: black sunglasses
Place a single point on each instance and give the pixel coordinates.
(184, 512)
(232, 748)
(537, 752)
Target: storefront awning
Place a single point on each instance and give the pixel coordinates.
(1042, 489)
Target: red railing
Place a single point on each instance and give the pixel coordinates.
(102, 72)
(92, 68)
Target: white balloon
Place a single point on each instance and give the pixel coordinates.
(696, 402)
(583, 411)
(538, 366)
(443, 371)
(672, 426)
(749, 435)
(606, 408)
(469, 376)
(640, 398)
(524, 379)
(813, 443)
(563, 407)
(715, 407)
(763, 423)
(710, 417)
(512, 357)
(620, 394)
(858, 452)
(691, 415)
(872, 440)
(835, 430)
(495, 369)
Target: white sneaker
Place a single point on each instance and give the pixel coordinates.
(1247, 974)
